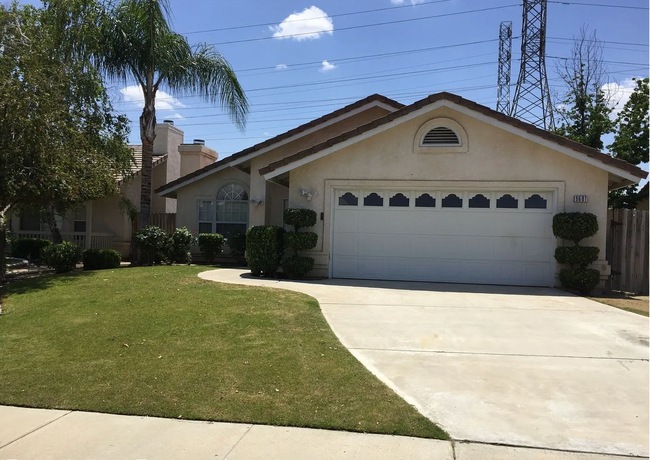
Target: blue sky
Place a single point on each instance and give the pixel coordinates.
(297, 76)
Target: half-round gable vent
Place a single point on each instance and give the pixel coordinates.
(441, 136)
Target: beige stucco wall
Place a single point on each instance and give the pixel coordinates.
(258, 183)
(493, 156)
(188, 197)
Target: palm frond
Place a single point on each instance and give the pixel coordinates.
(205, 72)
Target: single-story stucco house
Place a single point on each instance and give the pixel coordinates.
(441, 190)
(103, 224)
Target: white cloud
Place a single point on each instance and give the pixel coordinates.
(164, 101)
(311, 23)
(280, 66)
(327, 66)
(618, 94)
(400, 2)
(175, 116)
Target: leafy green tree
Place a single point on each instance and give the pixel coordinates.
(61, 142)
(137, 43)
(584, 111)
(631, 141)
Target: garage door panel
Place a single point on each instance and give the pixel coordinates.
(507, 248)
(347, 244)
(370, 221)
(374, 245)
(535, 225)
(347, 220)
(471, 245)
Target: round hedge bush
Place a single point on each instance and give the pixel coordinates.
(300, 218)
(211, 245)
(264, 248)
(583, 280)
(574, 226)
(577, 255)
(302, 241)
(237, 244)
(297, 267)
(101, 259)
(61, 257)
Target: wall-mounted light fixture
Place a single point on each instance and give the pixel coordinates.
(307, 193)
(256, 202)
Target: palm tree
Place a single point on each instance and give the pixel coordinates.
(137, 43)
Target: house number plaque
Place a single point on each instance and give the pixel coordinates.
(580, 198)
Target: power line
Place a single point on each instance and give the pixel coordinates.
(361, 26)
(599, 4)
(337, 15)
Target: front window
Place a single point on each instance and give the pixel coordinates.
(227, 214)
(232, 210)
(79, 224)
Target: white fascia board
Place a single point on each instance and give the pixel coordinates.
(472, 113)
(274, 146)
(353, 140)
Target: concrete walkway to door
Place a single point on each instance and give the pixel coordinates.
(517, 366)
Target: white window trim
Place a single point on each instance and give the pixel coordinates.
(418, 147)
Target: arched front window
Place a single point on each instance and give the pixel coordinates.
(232, 209)
(226, 215)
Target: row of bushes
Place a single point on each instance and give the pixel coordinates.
(266, 245)
(64, 257)
(157, 247)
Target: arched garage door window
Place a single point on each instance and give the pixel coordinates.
(232, 209)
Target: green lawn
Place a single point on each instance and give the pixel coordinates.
(159, 341)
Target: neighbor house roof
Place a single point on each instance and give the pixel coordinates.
(136, 166)
(375, 98)
(444, 96)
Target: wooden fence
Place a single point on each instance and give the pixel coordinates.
(627, 249)
(165, 221)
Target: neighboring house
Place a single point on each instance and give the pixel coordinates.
(102, 223)
(440, 190)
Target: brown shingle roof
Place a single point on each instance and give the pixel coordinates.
(283, 136)
(588, 151)
(136, 167)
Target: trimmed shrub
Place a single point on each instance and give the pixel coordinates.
(153, 243)
(237, 244)
(211, 245)
(577, 255)
(574, 226)
(61, 257)
(300, 241)
(300, 218)
(28, 248)
(101, 259)
(177, 248)
(583, 280)
(297, 267)
(264, 248)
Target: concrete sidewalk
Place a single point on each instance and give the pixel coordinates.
(27, 434)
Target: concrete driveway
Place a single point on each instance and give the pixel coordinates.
(503, 365)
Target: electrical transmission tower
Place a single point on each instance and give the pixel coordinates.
(505, 59)
(532, 101)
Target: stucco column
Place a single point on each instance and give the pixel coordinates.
(89, 224)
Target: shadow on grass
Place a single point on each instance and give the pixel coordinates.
(37, 281)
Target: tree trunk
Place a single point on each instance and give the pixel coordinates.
(147, 136)
(3, 245)
(50, 219)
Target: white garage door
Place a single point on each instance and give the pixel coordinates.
(459, 236)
